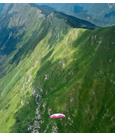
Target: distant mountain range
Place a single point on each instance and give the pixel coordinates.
(100, 14)
(53, 60)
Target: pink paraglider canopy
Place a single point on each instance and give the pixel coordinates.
(58, 115)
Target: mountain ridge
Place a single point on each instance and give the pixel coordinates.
(92, 12)
(18, 26)
(56, 66)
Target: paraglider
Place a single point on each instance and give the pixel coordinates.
(57, 115)
(50, 109)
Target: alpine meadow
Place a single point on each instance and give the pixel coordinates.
(60, 63)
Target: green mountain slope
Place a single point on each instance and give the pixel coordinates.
(70, 70)
(18, 24)
(22, 26)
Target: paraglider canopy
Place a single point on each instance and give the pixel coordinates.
(57, 115)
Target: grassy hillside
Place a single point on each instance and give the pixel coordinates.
(74, 77)
(22, 26)
(18, 25)
(70, 70)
